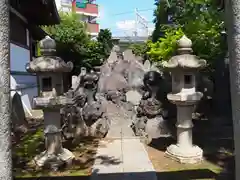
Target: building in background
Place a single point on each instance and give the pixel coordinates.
(125, 42)
(87, 10)
(26, 17)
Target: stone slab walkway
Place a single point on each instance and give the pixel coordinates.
(121, 156)
(124, 159)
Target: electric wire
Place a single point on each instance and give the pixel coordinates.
(130, 12)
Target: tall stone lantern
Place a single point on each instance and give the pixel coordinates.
(50, 70)
(183, 68)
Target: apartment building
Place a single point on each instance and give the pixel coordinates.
(87, 10)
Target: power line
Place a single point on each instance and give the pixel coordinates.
(130, 12)
(140, 20)
(115, 27)
(140, 23)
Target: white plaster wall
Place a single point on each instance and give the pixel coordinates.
(19, 57)
(26, 86)
(64, 5)
(58, 4)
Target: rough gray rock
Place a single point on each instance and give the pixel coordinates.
(85, 109)
(116, 97)
(147, 65)
(121, 85)
(161, 130)
(104, 73)
(150, 120)
(75, 82)
(100, 127)
(128, 55)
(139, 59)
(114, 82)
(135, 74)
(133, 97)
(113, 55)
(92, 112)
(18, 115)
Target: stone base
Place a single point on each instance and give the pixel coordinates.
(185, 155)
(54, 161)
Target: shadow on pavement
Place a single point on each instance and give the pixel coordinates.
(171, 175)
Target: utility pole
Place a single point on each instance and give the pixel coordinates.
(140, 21)
(5, 119)
(135, 25)
(232, 10)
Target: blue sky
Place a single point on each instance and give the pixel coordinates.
(123, 24)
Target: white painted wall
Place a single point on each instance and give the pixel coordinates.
(58, 4)
(25, 85)
(19, 57)
(64, 5)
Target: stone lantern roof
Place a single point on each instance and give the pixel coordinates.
(48, 62)
(185, 59)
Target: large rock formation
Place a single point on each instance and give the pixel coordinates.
(84, 114)
(122, 85)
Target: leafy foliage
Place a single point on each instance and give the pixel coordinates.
(97, 51)
(140, 49)
(166, 46)
(71, 38)
(74, 44)
(93, 54)
(200, 20)
(70, 31)
(161, 18)
(105, 40)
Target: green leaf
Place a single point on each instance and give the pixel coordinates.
(73, 43)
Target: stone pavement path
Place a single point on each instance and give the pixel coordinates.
(121, 155)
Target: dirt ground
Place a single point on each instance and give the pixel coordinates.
(215, 166)
(216, 142)
(168, 169)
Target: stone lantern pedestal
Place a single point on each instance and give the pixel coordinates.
(183, 68)
(184, 151)
(55, 155)
(50, 70)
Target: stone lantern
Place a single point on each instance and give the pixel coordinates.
(183, 68)
(50, 70)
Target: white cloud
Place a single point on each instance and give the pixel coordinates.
(128, 27)
(101, 12)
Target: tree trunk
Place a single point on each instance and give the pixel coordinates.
(5, 120)
(232, 9)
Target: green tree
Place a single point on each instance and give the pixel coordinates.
(93, 54)
(165, 47)
(71, 39)
(200, 20)
(140, 49)
(105, 40)
(160, 18)
(74, 44)
(97, 51)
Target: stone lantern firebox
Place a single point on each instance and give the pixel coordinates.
(183, 68)
(50, 70)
